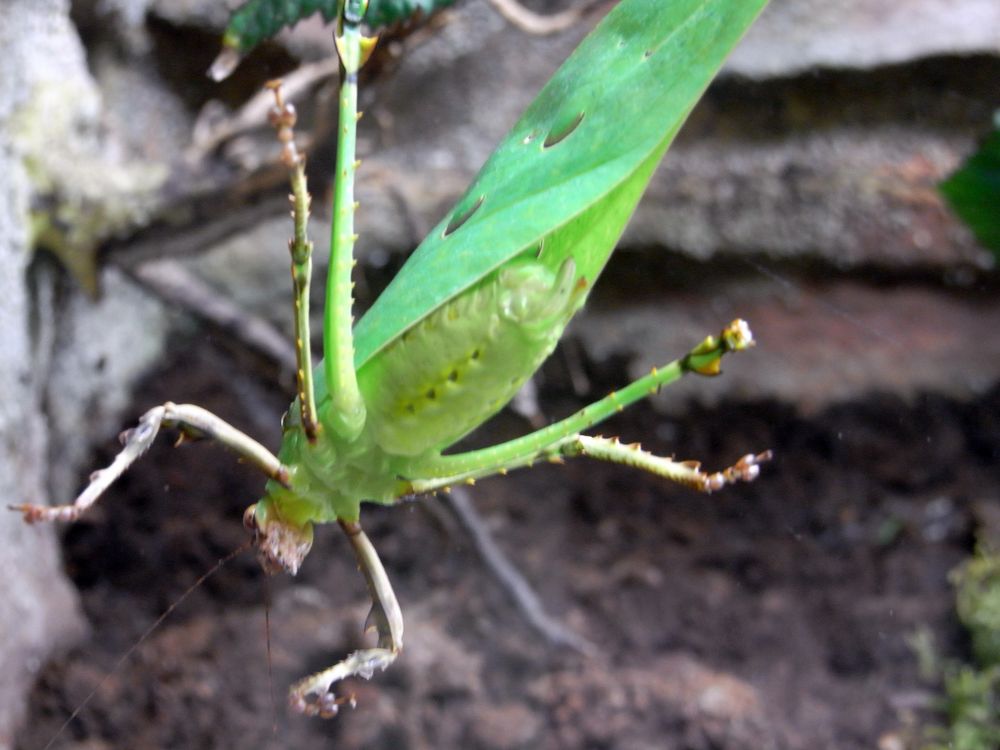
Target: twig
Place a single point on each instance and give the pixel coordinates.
(525, 404)
(172, 282)
(510, 578)
(208, 135)
(534, 23)
(573, 357)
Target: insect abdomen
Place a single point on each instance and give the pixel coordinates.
(462, 363)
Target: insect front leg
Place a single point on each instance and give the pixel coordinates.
(385, 617)
(193, 423)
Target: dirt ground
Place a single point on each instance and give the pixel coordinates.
(772, 615)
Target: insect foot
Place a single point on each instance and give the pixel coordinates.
(326, 703)
(705, 359)
(325, 707)
(746, 469)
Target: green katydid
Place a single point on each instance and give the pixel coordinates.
(474, 312)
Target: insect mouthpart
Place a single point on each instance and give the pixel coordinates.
(281, 546)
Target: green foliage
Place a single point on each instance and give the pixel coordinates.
(257, 20)
(972, 705)
(977, 584)
(387, 12)
(972, 692)
(974, 191)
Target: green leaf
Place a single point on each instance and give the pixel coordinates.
(974, 192)
(257, 20)
(571, 171)
(387, 12)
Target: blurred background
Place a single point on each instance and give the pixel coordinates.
(143, 231)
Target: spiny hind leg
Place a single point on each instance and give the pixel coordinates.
(193, 422)
(312, 695)
(688, 473)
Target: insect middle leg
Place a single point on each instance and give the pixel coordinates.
(193, 422)
(385, 617)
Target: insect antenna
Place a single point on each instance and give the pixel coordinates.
(145, 636)
(839, 311)
(270, 665)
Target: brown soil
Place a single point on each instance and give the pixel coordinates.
(773, 615)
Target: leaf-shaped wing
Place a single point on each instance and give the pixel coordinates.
(571, 171)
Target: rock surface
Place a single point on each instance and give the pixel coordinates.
(793, 36)
(63, 373)
(38, 611)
